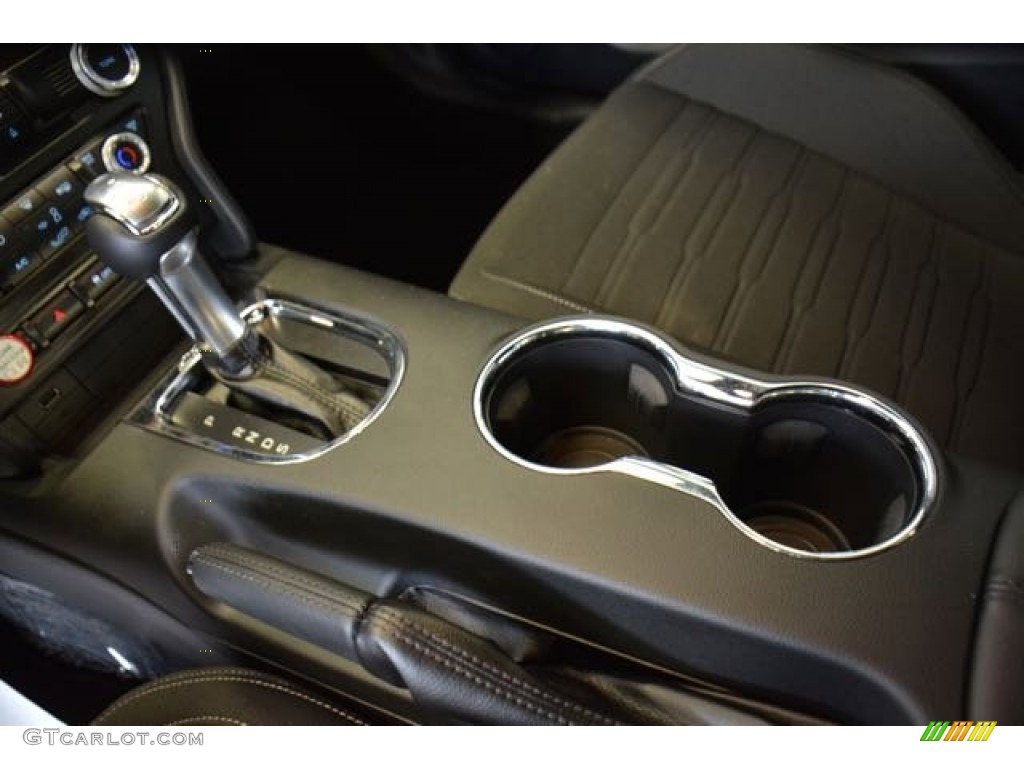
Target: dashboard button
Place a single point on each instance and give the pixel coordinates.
(18, 265)
(24, 205)
(109, 60)
(126, 152)
(61, 187)
(88, 162)
(95, 282)
(14, 125)
(106, 69)
(46, 230)
(80, 214)
(16, 359)
(8, 240)
(134, 124)
(58, 315)
(59, 236)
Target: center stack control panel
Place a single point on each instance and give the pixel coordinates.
(73, 336)
(43, 225)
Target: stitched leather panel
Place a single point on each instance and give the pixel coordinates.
(451, 670)
(304, 604)
(223, 696)
(448, 669)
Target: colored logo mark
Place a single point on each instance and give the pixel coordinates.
(959, 730)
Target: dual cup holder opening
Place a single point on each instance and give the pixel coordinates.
(813, 469)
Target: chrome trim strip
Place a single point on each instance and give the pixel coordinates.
(154, 412)
(727, 388)
(197, 294)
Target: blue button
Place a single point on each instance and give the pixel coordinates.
(84, 212)
(13, 124)
(61, 186)
(18, 267)
(12, 134)
(60, 237)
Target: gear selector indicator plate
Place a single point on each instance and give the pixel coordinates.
(188, 405)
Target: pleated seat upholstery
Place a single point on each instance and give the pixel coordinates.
(797, 210)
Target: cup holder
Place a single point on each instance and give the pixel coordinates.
(810, 468)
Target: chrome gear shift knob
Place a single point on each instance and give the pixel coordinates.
(143, 229)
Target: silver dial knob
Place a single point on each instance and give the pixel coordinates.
(106, 69)
(126, 152)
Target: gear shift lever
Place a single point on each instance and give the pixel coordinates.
(143, 229)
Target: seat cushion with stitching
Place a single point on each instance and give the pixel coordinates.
(223, 696)
(875, 238)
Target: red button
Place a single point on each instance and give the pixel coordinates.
(57, 316)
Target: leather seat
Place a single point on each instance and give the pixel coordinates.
(997, 678)
(224, 696)
(797, 210)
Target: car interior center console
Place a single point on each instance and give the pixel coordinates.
(781, 550)
(75, 335)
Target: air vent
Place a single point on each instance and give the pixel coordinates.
(60, 77)
(46, 83)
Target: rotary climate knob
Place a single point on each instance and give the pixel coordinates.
(126, 152)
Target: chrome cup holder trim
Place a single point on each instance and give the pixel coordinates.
(154, 412)
(705, 381)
